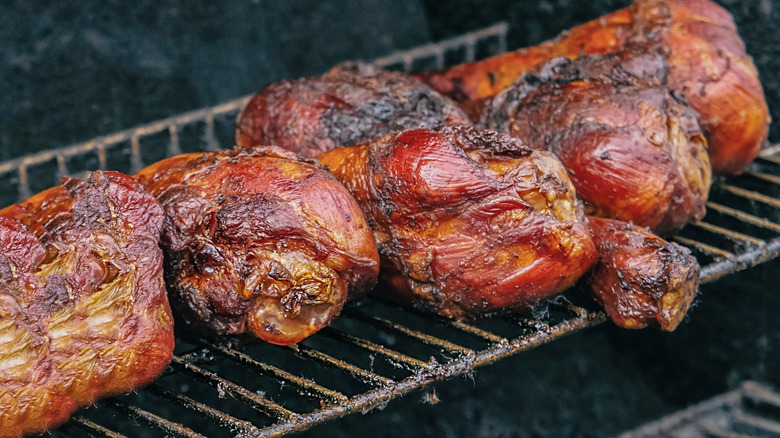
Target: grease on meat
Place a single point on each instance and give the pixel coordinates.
(467, 222)
(83, 309)
(633, 149)
(640, 279)
(258, 241)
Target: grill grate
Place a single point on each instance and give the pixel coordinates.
(752, 410)
(374, 352)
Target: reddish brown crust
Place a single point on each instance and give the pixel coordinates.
(467, 222)
(353, 103)
(633, 149)
(640, 279)
(258, 241)
(83, 309)
(708, 63)
(707, 60)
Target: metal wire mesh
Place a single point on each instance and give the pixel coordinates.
(374, 352)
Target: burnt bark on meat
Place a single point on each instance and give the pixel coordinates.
(353, 103)
(640, 279)
(83, 309)
(258, 241)
(707, 63)
(467, 222)
(633, 149)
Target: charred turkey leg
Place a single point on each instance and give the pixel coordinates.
(258, 241)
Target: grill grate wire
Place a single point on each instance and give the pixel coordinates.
(749, 411)
(360, 355)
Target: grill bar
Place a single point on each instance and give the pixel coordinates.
(416, 334)
(166, 426)
(744, 217)
(726, 415)
(133, 135)
(741, 261)
(95, 429)
(24, 183)
(734, 235)
(224, 419)
(306, 385)
(770, 155)
(359, 373)
(703, 247)
(437, 50)
(262, 404)
(774, 179)
(173, 146)
(62, 167)
(102, 158)
(761, 423)
(753, 196)
(478, 332)
(760, 394)
(398, 359)
(469, 329)
(210, 139)
(370, 400)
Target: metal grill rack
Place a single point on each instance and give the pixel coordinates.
(752, 410)
(374, 352)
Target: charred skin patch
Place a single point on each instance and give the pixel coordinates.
(353, 103)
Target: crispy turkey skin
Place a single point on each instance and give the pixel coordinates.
(633, 148)
(83, 309)
(707, 63)
(352, 103)
(640, 279)
(468, 222)
(257, 241)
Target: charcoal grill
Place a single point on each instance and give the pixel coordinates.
(374, 352)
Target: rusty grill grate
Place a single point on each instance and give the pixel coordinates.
(374, 352)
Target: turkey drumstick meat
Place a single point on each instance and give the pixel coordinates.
(468, 222)
(257, 241)
(707, 63)
(353, 103)
(83, 309)
(633, 149)
(419, 251)
(640, 279)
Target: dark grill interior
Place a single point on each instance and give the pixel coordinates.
(751, 410)
(374, 352)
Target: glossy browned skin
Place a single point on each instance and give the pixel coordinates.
(633, 149)
(258, 241)
(353, 103)
(83, 309)
(640, 279)
(707, 63)
(467, 222)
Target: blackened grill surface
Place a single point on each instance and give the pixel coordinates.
(375, 352)
(751, 410)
